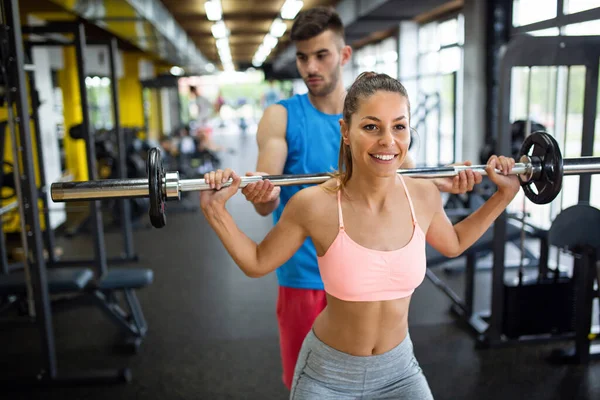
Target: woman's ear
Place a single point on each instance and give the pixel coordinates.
(345, 131)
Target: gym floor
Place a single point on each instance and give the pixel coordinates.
(213, 332)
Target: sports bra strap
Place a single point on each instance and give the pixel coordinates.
(340, 217)
(412, 209)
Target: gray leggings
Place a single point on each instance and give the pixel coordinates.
(323, 372)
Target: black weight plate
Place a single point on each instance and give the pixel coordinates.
(156, 174)
(543, 148)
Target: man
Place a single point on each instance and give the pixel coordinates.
(301, 135)
(202, 107)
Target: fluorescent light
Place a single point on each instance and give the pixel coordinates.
(219, 30)
(263, 51)
(176, 71)
(210, 67)
(278, 28)
(213, 10)
(224, 50)
(270, 41)
(223, 42)
(256, 63)
(291, 8)
(225, 58)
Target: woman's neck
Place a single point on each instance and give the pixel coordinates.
(372, 191)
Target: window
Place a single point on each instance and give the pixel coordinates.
(439, 67)
(99, 102)
(554, 97)
(574, 6)
(556, 94)
(545, 32)
(527, 12)
(380, 57)
(448, 32)
(583, 28)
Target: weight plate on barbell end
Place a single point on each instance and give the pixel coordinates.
(543, 148)
(158, 218)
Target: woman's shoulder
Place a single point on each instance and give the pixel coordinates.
(421, 189)
(311, 206)
(313, 196)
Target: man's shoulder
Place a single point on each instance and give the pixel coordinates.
(293, 101)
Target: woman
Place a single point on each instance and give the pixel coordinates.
(369, 226)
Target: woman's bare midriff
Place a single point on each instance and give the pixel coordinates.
(363, 328)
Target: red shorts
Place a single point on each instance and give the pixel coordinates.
(296, 313)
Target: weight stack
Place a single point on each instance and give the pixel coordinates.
(539, 307)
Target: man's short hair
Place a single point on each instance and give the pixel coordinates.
(314, 21)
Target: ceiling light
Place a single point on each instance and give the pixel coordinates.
(209, 67)
(259, 57)
(222, 43)
(224, 50)
(256, 63)
(225, 58)
(176, 71)
(213, 10)
(278, 28)
(291, 8)
(270, 41)
(219, 30)
(264, 50)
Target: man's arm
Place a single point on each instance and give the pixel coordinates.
(272, 154)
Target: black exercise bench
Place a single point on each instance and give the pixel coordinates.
(103, 293)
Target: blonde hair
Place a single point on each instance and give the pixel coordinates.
(365, 85)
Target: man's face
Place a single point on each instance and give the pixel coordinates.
(320, 60)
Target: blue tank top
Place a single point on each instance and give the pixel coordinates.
(313, 140)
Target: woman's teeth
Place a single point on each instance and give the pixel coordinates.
(385, 157)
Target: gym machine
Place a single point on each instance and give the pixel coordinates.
(84, 129)
(496, 329)
(36, 282)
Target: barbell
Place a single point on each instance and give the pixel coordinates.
(540, 170)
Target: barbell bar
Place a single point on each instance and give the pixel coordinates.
(540, 165)
(132, 188)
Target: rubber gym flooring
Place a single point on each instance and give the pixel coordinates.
(213, 332)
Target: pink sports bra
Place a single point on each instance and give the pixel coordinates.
(352, 272)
